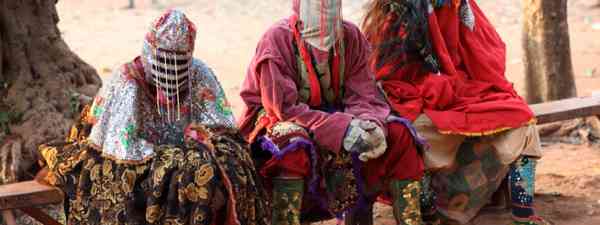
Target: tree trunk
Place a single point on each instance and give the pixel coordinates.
(41, 81)
(548, 66)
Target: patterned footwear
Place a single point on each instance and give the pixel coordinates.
(533, 220)
(521, 183)
(406, 205)
(287, 200)
(427, 200)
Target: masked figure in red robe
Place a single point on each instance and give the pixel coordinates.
(318, 123)
(441, 65)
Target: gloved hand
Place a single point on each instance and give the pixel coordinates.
(365, 138)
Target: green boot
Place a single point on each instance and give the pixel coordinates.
(287, 200)
(406, 202)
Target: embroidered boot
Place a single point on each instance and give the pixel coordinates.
(521, 183)
(406, 205)
(287, 200)
(427, 200)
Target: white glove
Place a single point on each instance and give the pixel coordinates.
(378, 145)
(365, 138)
(353, 141)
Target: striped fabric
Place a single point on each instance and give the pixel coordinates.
(321, 22)
(167, 53)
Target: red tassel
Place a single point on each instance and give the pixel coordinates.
(335, 79)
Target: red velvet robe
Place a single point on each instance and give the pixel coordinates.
(272, 84)
(471, 95)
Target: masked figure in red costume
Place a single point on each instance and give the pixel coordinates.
(318, 123)
(441, 65)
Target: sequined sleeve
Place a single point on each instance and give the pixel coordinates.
(114, 114)
(212, 108)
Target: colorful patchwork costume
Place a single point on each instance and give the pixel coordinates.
(159, 144)
(442, 64)
(318, 122)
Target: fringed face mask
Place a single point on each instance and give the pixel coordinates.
(167, 57)
(169, 71)
(321, 22)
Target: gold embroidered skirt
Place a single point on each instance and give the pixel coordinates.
(215, 185)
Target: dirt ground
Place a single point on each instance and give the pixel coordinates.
(105, 35)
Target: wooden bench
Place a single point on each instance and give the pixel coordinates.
(566, 109)
(27, 196)
(550, 112)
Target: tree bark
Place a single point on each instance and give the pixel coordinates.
(546, 43)
(40, 82)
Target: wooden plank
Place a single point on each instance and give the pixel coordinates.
(566, 109)
(29, 193)
(40, 216)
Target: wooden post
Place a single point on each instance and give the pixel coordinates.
(548, 66)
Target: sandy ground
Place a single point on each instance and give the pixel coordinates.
(105, 35)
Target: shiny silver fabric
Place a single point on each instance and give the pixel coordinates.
(167, 57)
(128, 124)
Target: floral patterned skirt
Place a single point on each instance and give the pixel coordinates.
(177, 186)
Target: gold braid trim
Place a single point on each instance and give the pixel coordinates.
(486, 133)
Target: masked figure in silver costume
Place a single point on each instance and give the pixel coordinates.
(158, 145)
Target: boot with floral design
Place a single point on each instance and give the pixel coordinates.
(406, 202)
(287, 200)
(521, 183)
(427, 200)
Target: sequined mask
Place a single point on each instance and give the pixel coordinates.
(167, 56)
(151, 100)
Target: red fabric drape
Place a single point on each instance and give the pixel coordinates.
(471, 95)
